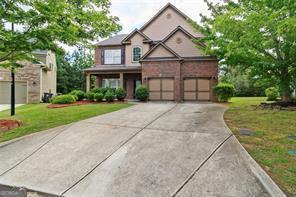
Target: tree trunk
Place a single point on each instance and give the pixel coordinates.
(285, 85)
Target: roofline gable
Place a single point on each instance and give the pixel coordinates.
(125, 40)
(160, 12)
(163, 45)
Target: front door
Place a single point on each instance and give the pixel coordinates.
(137, 83)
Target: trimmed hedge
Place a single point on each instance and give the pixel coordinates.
(224, 91)
(109, 96)
(79, 94)
(120, 94)
(63, 99)
(142, 93)
(272, 93)
(98, 97)
(90, 96)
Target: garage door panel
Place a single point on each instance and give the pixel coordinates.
(190, 96)
(203, 96)
(190, 85)
(167, 96)
(167, 85)
(20, 92)
(154, 95)
(203, 85)
(154, 84)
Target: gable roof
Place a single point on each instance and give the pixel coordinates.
(164, 46)
(179, 28)
(125, 40)
(161, 11)
(115, 40)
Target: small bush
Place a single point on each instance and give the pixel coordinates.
(293, 99)
(120, 94)
(96, 90)
(90, 96)
(109, 96)
(98, 97)
(272, 93)
(63, 99)
(79, 94)
(224, 91)
(142, 93)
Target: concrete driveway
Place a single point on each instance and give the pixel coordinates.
(152, 149)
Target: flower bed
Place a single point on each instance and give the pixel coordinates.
(77, 103)
(6, 125)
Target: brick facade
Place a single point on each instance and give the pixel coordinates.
(179, 71)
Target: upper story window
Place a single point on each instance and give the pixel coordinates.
(137, 53)
(112, 56)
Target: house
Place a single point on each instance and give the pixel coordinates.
(160, 55)
(32, 80)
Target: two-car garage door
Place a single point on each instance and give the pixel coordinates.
(20, 92)
(197, 89)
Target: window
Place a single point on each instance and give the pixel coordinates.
(111, 83)
(112, 56)
(137, 53)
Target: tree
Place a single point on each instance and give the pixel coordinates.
(255, 35)
(70, 67)
(45, 24)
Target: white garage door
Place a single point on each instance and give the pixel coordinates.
(20, 92)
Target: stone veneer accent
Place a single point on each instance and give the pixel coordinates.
(29, 73)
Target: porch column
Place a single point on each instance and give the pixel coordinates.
(121, 80)
(87, 82)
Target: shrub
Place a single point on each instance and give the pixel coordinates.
(224, 91)
(120, 94)
(90, 96)
(293, 99)
(272, 93)
(96, 90)
(98, 96)
(109, 96)
(63, 99)
(142, 93)
(79, 94)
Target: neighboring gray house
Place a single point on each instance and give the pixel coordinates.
(32, 80)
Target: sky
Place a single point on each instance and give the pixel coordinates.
(134, 13)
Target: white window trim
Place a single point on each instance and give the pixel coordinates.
(133, 53)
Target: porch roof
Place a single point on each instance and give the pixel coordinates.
(113, 68)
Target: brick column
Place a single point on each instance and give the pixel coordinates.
(178, 82)
(98, 82)
(121, 80)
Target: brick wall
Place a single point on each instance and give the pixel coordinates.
(180, 70)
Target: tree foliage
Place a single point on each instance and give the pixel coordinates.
(255, 35)
(44, 24)
(70, 67)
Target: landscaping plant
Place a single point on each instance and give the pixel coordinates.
(79, 94)
(90, 96)
(98, 97)
(109, 96)
(63, 99)
(142, 93)
(224, 91)
(120, 94)
(272, 93)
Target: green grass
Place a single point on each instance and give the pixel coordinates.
(37, 117)
(269, 146)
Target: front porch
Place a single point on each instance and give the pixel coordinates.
(128, 79)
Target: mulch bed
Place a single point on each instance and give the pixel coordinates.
(279, 105)
(77, 103)
(6, 125)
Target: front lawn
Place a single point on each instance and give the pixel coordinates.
(269, 145)
(37, 117)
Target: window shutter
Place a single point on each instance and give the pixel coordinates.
(122, 55)
(102, 56)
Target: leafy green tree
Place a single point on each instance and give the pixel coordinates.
(255, 35)
(70, 67)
